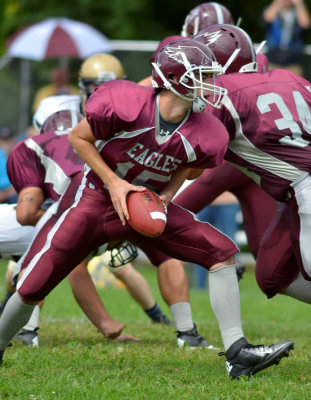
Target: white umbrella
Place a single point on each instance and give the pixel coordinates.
(52, 38)
(57, 37)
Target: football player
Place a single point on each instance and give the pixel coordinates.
(127, 123)
(275, 155)
(205, 15)
(268, 118)
(40, 168)
(172, 281)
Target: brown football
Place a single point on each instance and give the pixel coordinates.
(147, 213)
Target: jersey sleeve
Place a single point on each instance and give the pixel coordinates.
(211, 143)
(21, 170)
(104, 108)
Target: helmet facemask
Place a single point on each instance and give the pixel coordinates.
(123, 254)
(199, 92)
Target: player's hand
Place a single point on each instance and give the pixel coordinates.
(166, 200)
(118, 190)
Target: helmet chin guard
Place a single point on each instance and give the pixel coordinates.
(198, 105)
(122, 255)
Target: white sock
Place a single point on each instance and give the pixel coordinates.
(14, 317)
(225, 301)
(182, 315)
(300, 289)
(33, 322)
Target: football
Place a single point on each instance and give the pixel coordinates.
(147, 213)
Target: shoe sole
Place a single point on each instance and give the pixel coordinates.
(183, 344)
(274, 360)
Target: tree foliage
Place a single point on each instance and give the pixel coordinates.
(123, 19)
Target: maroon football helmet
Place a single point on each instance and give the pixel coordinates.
(165, 41)
(61, 121)
(205, 15)
(190, 62)
(223, 40)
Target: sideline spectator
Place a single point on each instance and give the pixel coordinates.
(286, 22)
(59, 85)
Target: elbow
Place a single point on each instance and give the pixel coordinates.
(25, 217)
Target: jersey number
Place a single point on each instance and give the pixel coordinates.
(287, 121)
(143, 177)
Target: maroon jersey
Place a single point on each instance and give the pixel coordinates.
(123, 117)
(269, 121)
(47, 161)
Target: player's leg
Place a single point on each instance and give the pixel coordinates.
(174, 289)
(276, 265)
(139, 289)
(258, 210)
(173, 285)
(198, 242)
(90, 302)
(284, 251)
(62, 250)
(10, 289)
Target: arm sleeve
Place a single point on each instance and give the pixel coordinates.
(24, 168)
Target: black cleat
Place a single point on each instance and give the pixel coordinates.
(28, 338)
(251, 359)
(161, 319)
(4, 301)
(192, 339)
(240, 269)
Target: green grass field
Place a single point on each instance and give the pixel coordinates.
(75, 362)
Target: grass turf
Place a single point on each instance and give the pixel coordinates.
(74, 361)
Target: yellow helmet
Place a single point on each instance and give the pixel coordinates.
(97, 69)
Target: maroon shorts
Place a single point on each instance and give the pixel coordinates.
(92, 221)
(258, 208)
(277, 265)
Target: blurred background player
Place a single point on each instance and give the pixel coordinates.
(205, 15)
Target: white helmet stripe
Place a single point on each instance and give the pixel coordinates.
(219, 13)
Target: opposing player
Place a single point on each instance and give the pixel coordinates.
(126, 121)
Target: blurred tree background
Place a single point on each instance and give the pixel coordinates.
(117, 19)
